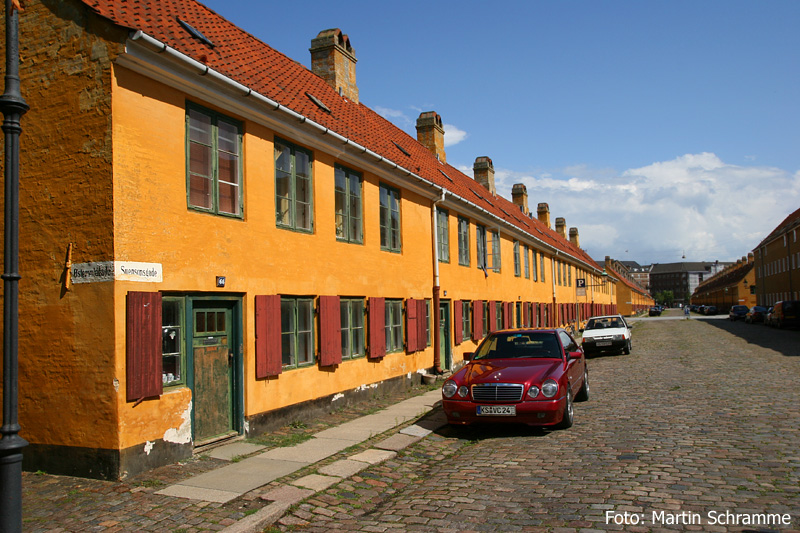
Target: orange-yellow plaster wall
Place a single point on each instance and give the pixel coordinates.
(153, 224)
(67, 385)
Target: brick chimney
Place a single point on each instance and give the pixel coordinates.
(519, 195)
(543, 213)
(484, 173)
(573, 237)
(334, 60)
(430, 133)
(561, 227)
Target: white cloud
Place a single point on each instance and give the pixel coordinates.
(394, 116)
(453, 135)
(695, 204)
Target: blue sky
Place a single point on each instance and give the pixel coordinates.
(658, 128)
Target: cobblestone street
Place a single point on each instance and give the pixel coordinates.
(698, 428)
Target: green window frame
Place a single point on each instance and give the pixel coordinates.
(393, 325)
(526, 250)
(517, 265)
(463, 241)
(480, 242)
(294, 207)
(213, 162)
(498, 317)
(427, 322)
(353, 333)
(541, 263)
(485, 318)
(496, 256)
(297, 332)
(466, 319)
(390, 219)
(173, 345)
(348, 205)
(443, 235)
(535, 267)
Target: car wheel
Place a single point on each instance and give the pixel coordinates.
(583, 394)
(567, 419)
(627, 349)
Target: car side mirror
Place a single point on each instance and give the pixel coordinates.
(574, 355)
(582, 330)
(468, 356)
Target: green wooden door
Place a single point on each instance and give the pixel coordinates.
(445, 356)
(212, 348)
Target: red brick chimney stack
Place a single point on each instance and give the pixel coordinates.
(334, 60)
(519, 195)
(430, 133)
(543, 213)
(483, 169)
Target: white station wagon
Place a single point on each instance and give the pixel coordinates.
(606, 334)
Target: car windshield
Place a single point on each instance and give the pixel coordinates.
(529, 344)
(603, 323)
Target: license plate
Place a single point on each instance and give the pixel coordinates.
(497, 410)
(604, 343)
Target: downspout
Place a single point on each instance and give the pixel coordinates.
(437, 349)
(553, 277)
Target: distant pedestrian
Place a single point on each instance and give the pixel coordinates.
(686, 311)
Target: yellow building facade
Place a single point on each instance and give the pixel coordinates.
(207, 252)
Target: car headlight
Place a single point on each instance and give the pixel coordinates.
(533, 392)
(449, 388)
(587, 339)
(550, 388)
(619, 337)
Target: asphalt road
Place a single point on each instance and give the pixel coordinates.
(697, 429)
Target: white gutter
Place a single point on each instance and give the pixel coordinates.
(205, 70)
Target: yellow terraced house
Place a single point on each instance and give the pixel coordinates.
(217, 240)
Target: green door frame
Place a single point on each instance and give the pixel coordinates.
(445, 335)
(234, 303)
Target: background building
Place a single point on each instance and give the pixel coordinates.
(734, 285)
(681, 278)
(777, 260)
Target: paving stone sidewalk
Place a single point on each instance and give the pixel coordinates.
(178, 497)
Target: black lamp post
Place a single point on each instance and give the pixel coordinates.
(13, 106)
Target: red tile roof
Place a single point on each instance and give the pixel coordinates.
(247, 60)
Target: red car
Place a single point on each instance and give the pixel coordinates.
(527, 376)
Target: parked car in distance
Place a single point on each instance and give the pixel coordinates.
(768, 317)
(738, 312)
(710, 310)
(654, 311)
(528, 376)
(701, 309)
(786, 314)
(755, 314)
(609, 333)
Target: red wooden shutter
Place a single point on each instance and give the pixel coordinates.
(422, 325)
(492, 316)
(412, 331)
(508, 313)
(377, 333)
(458, 322)
(268, 336)
(330, 331)
(143, 346)
(525, 315)
(477, 320)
